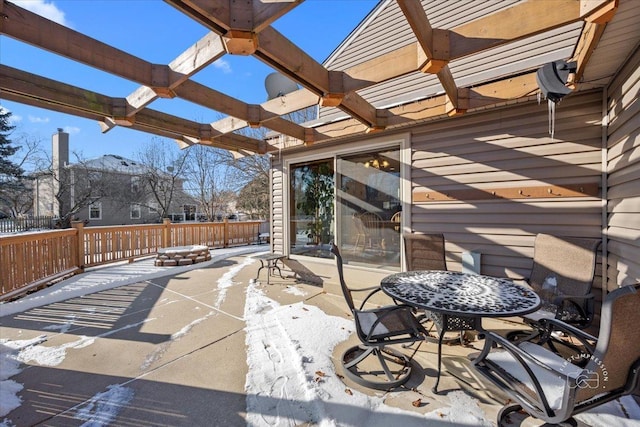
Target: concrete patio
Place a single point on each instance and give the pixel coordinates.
(170, 348)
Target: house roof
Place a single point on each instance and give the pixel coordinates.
(112, 162)
(442, 59)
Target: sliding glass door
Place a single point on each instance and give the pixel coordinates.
(368, 205)
(357, 205)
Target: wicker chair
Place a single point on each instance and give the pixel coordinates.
(426, 252)
(377, 329)
(562, 275)
(553, 388)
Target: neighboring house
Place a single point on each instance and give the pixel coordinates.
(108, 190)
(489, 179)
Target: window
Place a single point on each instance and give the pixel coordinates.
(311, 204)
(154, 208)
(94, 177)
(135, 184)
(189, 212)
(135, 211)
(95, 211)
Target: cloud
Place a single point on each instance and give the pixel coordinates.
(45, 9)
(223, 65)
(34, 119)
(13, 118)
(72, 130)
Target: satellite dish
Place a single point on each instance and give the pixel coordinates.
(553, 77)
(279, 85)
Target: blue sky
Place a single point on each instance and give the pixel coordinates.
(156, 32)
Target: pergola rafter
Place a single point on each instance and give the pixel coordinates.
(244, 28)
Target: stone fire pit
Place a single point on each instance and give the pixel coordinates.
(182, 255)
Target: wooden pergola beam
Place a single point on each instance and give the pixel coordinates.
(225, 15)
(479, 96)
(41, 92)
(436, 54)
(28, 27)
(166, 78)
(284, 56)
(592, 31)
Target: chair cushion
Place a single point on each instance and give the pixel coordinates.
(553, 383)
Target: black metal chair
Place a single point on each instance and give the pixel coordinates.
(426, 252)
(554, 388)
(377, 329)
(562, 275)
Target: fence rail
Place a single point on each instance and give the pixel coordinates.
(30, 261)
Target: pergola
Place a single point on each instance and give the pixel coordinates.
(245, 28)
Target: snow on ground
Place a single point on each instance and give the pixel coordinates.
(111, 276)
(291, 378)
(292, 381)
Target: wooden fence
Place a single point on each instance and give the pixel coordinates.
(29, 261)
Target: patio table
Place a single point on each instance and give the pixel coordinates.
(455, 295)
(270, 262)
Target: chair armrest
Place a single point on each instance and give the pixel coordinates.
(559, 299)
(550, 325)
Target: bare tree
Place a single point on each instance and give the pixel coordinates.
(210, 180)
(163, 177)
(66, 191)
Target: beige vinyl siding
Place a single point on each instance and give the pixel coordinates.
(369, 42)
(508, 148)
(278, 204)
(623, 168)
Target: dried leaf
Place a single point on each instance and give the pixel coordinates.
(417, 403)
(340, 376)
(305, 309)
(349, 392)
(320, 373)
(294, 317)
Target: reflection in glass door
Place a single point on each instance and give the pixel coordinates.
(369, 209)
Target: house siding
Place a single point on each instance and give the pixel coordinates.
(473, 69)
(508, 148)
(623, 173)
(502, 148)
(278, 214)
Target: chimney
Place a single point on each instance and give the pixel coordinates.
(59, 150)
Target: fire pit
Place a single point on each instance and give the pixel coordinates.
(182, 255)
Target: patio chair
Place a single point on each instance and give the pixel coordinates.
(377, 329)
(362, 236)
(562, 275)
(426, 252)
(554, 389)
(372, 225)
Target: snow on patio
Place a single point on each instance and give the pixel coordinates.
(291, 378)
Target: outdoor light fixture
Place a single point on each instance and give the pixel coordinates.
(555, 80)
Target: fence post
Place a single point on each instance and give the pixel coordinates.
(166, 232)
(79, 247)
(225, 233)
